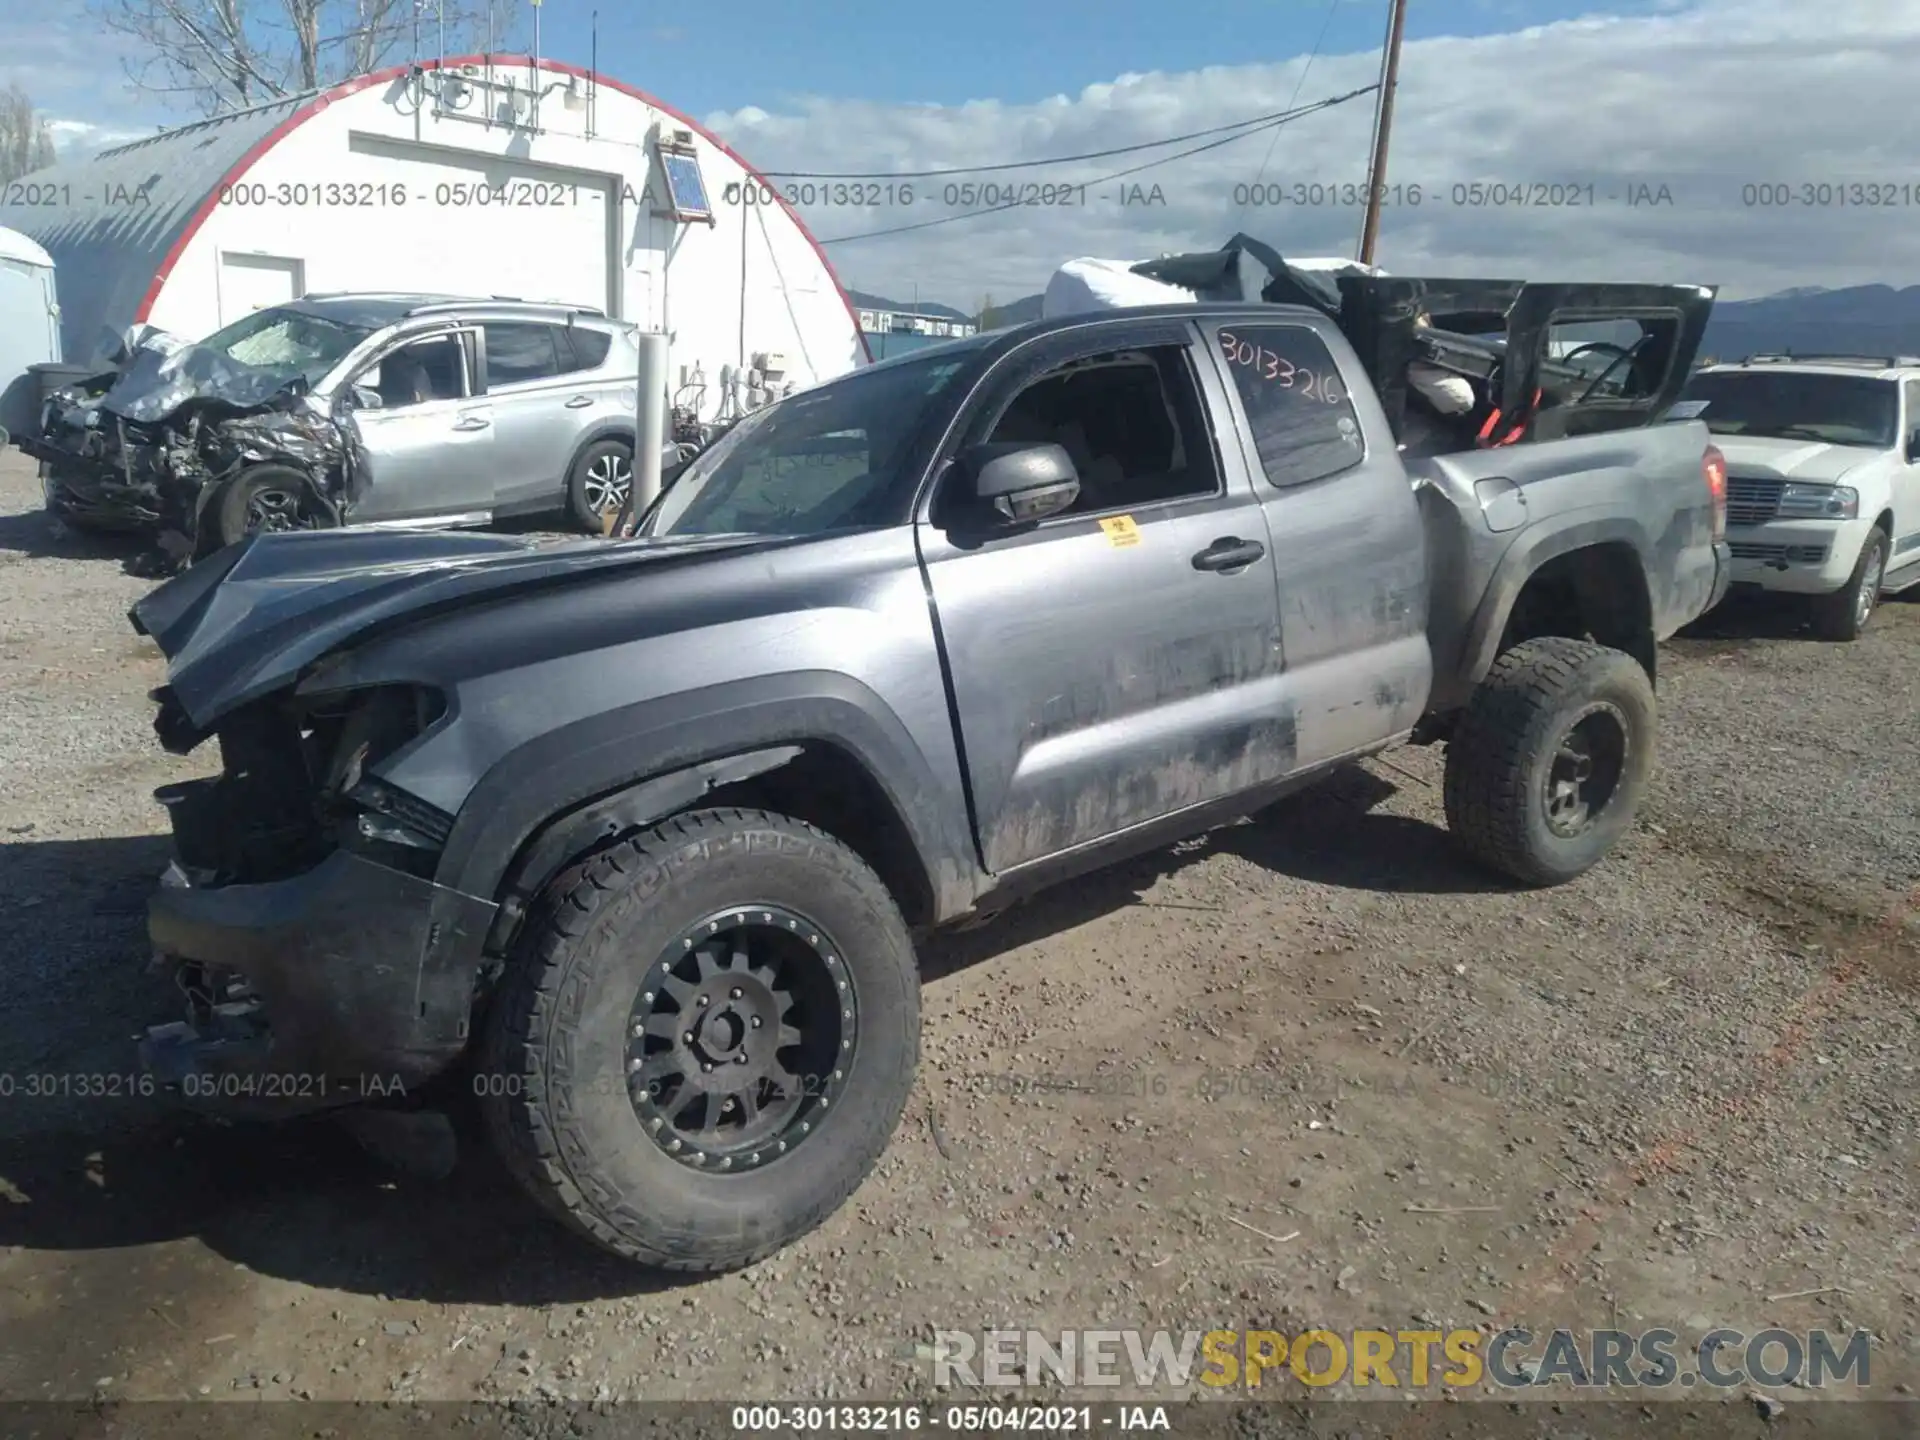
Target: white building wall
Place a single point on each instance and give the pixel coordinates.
(378, 192)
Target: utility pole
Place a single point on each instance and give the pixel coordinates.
(1383, 126)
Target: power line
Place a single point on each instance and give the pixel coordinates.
(1299, 85)
(1257, 122)
(1280, 118)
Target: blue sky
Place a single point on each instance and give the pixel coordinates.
(1015, 51)
(768, 54)
(1696, 101)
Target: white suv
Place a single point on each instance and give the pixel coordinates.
(1823, 476)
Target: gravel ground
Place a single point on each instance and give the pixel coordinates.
(1661, 1095)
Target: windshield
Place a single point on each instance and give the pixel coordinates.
(832, 458)
(286, 342)
(1837, 409)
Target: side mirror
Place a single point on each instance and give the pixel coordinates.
(1913, 448)
(359, 397)
(1019, 483)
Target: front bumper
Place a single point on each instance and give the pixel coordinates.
(360, 981)
(1722, 575)
(90, 492)
(1801, 557)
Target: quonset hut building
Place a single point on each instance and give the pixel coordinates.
(483, 176)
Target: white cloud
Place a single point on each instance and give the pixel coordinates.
(70, 66)
(80, 137)
(1704, 99)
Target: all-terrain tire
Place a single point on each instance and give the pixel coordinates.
(552, 1067)
(231, 513)
(595, 469)
(1502, 755)
(1844, 614)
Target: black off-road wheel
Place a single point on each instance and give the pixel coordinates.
(1548, 763)
(265, 498)
(705, 1040)
(1844, 614)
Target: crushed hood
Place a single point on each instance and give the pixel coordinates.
(1812, 461)
(248, 619)
(159, 373)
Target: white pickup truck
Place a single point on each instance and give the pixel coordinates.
(1823, 476)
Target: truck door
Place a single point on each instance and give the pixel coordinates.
(1343, 527)
(1117, 662)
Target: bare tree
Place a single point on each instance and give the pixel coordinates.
(26, 144)
(221, 55)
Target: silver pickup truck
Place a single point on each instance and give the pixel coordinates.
(632, 839)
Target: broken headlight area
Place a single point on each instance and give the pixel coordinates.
(105, 471)
(295, 785)
(110, 472)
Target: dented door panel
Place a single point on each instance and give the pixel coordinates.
(1103, 686)
(1100, 679)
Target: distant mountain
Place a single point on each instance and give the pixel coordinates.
(1014, 312)
(864, 300)
(1859, 320)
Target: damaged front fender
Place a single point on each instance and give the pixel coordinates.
(323, 451)
(105, 471)
(154, 442)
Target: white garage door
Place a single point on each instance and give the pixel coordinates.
(483, 225)
(253, 282)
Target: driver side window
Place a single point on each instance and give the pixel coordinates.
(416, 374)
(1129, 420)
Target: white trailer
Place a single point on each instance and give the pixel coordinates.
(29, 329)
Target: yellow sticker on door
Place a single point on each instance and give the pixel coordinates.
(1121, 531)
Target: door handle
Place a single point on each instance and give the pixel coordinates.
(472, 422)
(579, 402)
(1229, 553)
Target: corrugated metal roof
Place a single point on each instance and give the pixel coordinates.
(112, 217)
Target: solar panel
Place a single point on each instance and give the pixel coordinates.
(686, 187)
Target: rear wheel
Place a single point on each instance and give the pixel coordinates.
(1548, 763)
(705, 1041)
(265, 498)
(1844, 614)
(597, 485)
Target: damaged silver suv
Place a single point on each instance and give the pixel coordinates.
(332, 410)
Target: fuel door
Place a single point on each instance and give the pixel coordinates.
(1502, 502)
